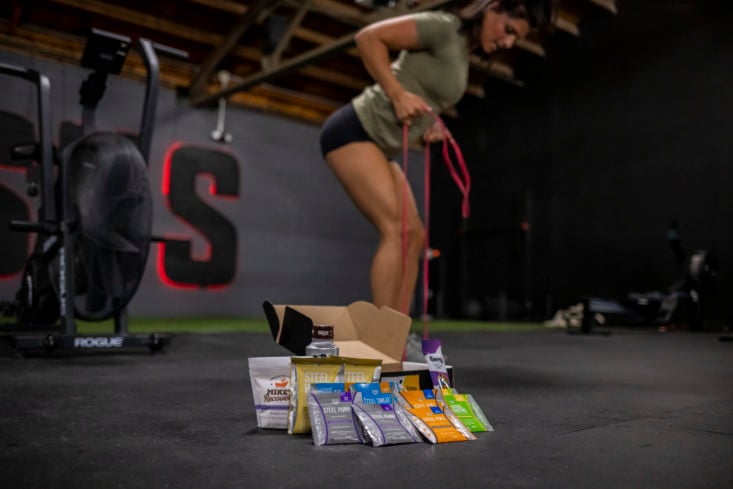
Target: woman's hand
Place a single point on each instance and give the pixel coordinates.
(408, 106)
(435, 133)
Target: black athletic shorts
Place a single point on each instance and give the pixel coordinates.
(341, 128)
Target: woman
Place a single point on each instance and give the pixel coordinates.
(429, 75)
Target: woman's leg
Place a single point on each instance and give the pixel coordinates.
(415, 241)
(376, 187)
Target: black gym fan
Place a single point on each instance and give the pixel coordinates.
(112, 207)
(95, 229)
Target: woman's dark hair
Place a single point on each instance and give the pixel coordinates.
(536, 12)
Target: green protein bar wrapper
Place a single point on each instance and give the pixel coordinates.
(466, 409)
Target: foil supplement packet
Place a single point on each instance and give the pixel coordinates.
(374, 392)
(384, 424)
(331, 418)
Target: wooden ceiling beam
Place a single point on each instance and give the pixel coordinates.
(325, 50)
(401, 9)
(531, 47)
(609, 5)
(210, 39)
(143, 20)
(283, 68)
(329, 8)
(229, 6)
(497, 69)
(201, 78)
(331, 76)
(69, 49)
(336, 10)
(274, 58)
(567, 23)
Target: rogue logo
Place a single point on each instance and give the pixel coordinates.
(98, 342)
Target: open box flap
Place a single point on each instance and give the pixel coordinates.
(296, 335)
(359, 349)
(383, 329)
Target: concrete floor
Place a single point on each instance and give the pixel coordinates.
(631, 410)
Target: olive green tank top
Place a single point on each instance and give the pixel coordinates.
(438, 72)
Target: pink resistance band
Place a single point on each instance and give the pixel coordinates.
(462, 181)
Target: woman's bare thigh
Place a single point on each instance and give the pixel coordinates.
(373, 183)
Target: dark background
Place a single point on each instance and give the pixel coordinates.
(615, 135)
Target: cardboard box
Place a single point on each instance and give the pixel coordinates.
(360, 330)
(419, 369)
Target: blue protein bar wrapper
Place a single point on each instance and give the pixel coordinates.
(384, 424)
(328, 387)
(436, 363)
(374, 392)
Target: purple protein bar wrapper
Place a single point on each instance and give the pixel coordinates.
(436, 364)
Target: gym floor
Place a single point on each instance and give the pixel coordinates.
(636, 409)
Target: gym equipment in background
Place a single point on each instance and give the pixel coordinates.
(94, 222)
(681, 305)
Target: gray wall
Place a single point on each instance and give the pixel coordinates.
(300, 240)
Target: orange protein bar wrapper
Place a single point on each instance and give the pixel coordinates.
(435, 425)
(420, 399)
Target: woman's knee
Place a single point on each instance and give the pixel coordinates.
(418, 234)
(414, 230)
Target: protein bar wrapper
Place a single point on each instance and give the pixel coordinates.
(305, 371)
(433, 352)
(384, 424)
(332, 419)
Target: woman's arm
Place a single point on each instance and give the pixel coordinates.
(374, 43)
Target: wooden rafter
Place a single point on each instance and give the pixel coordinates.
(274, 58)
(609, 5)
(286, 67)
(204, 37)
(325, 50)
(174, 74)
(567, 23)
(200, 80)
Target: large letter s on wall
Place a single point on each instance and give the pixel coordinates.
(183, 165)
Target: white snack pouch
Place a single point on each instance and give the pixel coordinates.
(270, 378)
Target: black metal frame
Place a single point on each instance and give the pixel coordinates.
(57, 226)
